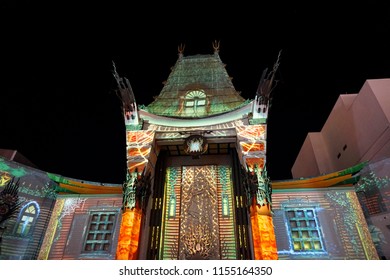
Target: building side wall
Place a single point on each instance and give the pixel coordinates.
(36, 189)
(341, 224)
(375, 200)
(356, 130)
(70, 229)
(381, 88)
(339, 133)
(368, 116)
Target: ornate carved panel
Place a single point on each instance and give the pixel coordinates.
(199, 230)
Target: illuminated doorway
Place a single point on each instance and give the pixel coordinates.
(198, 216)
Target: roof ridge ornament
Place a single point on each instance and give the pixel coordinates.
(263, 94)
(216, 46)
(126, 95)
(266, 84)
(180, 49)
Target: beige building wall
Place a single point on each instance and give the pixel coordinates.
(309, 154)
(356, 130)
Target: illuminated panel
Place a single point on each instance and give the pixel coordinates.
(128, 240)
(252, 147)
(142, 152)
(139, 145)
(264, 240)
(251, 133)
(226, 214)
(171, 222)
(213, 208)
(252, 143)
(199, 231)
(143, 137)
(360, 226)
(352, 225)
(51, 229)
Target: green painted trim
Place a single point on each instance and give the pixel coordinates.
(132, 127)
(258, 121)
(353, 169)
(57, 178)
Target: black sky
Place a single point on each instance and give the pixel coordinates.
(59, 109)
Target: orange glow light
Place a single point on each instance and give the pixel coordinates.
(251, 133)
(128, 240)
(144, 137)
(140, 166)
(264, 240)
(252, 147)
(251, 162)
(138, 152)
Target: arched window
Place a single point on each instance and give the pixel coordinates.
(195, 102)
(27, 218)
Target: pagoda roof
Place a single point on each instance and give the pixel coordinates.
(197, 87)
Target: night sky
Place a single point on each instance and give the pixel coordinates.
(59, 108)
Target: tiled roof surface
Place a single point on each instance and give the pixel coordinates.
(206, 77)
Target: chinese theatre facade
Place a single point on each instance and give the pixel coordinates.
(197, 185)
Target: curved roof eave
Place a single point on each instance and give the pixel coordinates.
(76, 186)
(213, 120)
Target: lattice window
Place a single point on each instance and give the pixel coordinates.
(27, 218)
(100, 232)
(305, 233)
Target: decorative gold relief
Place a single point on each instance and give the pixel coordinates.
(199, 238)
(199, 224)
(197, 243)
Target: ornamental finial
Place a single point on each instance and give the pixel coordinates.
(216, 46)
(181, 48)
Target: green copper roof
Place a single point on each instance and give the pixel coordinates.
(197, 87)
